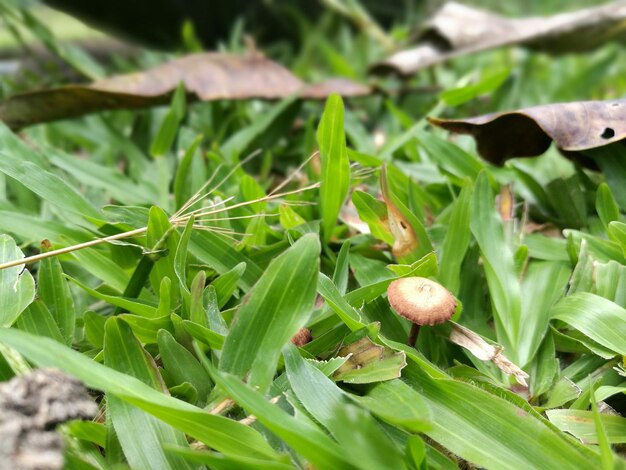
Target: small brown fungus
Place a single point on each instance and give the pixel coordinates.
(421, 301)
(302, 337)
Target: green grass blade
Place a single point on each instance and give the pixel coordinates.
(17, 286)
(182, 366)
(497, 257)
(54, 292)
(275, 309)
(491, 432)
(335, 179)
(596, 317)
(456, 241)
(302, 436)
(222, 434)
(580, 423)
(141, 435)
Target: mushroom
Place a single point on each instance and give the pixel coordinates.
(421, 301)
(426, 302)
(302, 337)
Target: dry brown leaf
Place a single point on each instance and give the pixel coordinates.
(401, 229)
(206, 76)
(574, 127)
(484, 351)
(457, 30)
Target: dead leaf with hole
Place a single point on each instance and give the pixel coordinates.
(206, 77)
(574, 127)
(457, 30)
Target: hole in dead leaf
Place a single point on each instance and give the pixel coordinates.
(608, 133)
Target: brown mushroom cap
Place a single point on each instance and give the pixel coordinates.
(420, 300)
(302, 337)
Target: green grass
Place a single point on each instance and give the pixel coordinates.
(195, 311)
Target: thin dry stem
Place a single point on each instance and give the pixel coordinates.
(174, 220)
(248, 420)
(222, 406)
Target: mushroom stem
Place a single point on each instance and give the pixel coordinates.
(415, 329)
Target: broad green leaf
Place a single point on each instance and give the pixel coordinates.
(324, 400)
(226, 284)
(146, 329)
(141, 435)
(180, 262)
(544, 283)
(369, 447)
(596, 317)
(218, 252)
(606, 454)
(222, 434)
(53, 290)
(335, 179)
(303, 437)
(395, 402)
(46, 185)
(610, 159)
(36, 319)
(169, 127)
(94, 328)
(163, 240)
(100, 264)
(610, 281)
(606, 207)
(617, 233)
(491, 432)
(450, 156)
(217, 461)
(31, 228)
(184, 186)
(239, 141)
(374, 213)
(338, 304)
(500, 271)
(70, 53)
(131, 305)
(566, 196)
(580, 423)
(182, 366)
(317, 393)
(210, 338)
(341, 273)
(456, 241)
(88, 431)
(289, 218)
(544, 368)
(195, 300)
(117, 185)
(488, 82)
(275, 309)
(17, 286)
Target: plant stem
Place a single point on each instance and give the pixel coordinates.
(415, 329)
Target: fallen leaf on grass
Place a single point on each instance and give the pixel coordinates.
(368, 362)
(206, 77)
(484, 351)
(574, 127)
(457, 30)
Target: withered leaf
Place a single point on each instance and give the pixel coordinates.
(369, 362)
(405, 238)
(206, 77)
(457, 30)
(574, 127)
